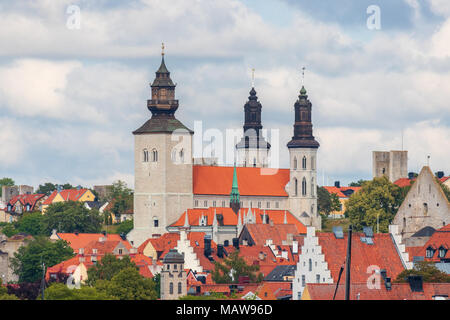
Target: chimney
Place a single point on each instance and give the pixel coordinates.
(207, 249)
(102, 239)
(76, 232)
(410, 175)
(81, 251)
(284, 254)
(236, 243)
(388, 284)
(104, 233)
(220, 250)
(440, 174)
(415, 283)
(337, 184)
(226, 243)
(261, 256)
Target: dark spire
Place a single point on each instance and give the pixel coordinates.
(235, 203)
(303, 133)
(162, 104)
(252, 125)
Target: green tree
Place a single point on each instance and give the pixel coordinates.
(234, 267)
(157, 281)
(47, 188)
(121, 198)
(335, 203)
(9, 230)
(323, 201)
(70, 217)
(445, 189)
(6, 182)
(358, 183)
(125, 227)
(4, 293)
(60, 291)
(27, 261)
(427, 270)
(31, 223)
(377, 198)
(128, 284)
(108, 267)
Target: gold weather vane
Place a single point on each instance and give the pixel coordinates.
(253, 77)
(162, 48)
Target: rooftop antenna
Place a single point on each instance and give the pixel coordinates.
(253, 77)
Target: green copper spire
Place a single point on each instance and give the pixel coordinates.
(234, 195)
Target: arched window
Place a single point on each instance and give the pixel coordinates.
(304, 162)
(313, 164)
(404, 223)
(182, 156)
(304, 187)
(295, 163)
(154, 155)
(425, 208)
(155, 221)
(312, 187)
(295, 187)
(310, 265)
(145, 155)
(171, 288)
(179, 287)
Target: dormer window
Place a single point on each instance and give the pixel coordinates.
(430, 252)
(442, 252)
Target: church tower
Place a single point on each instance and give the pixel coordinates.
(162, 163)
(253, 149)
(303, 172)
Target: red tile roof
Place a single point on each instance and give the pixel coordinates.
(252, 181)
(382, 253)
(404, 182)
(441, 238)
(67, 195)
(25, 199)
(399, 291)
(277, 233)
(83, 239)
(230, 218)
(339, 191)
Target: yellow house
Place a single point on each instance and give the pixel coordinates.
(343, 194)
(81, 195)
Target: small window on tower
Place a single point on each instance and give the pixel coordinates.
(154, 155)
(304, 162)
(145, 155)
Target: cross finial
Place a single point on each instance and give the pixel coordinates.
(162, 48)
(303, 75)
(253, 77)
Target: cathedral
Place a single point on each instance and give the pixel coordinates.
(173, 193)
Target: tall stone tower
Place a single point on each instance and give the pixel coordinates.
(392, 164)
(303, 157)
(253, 149)
(173, 276)
(162, 163)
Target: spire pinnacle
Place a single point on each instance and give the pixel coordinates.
(253, 77)
(162, 49)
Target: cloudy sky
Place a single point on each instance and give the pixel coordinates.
(70, 97)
